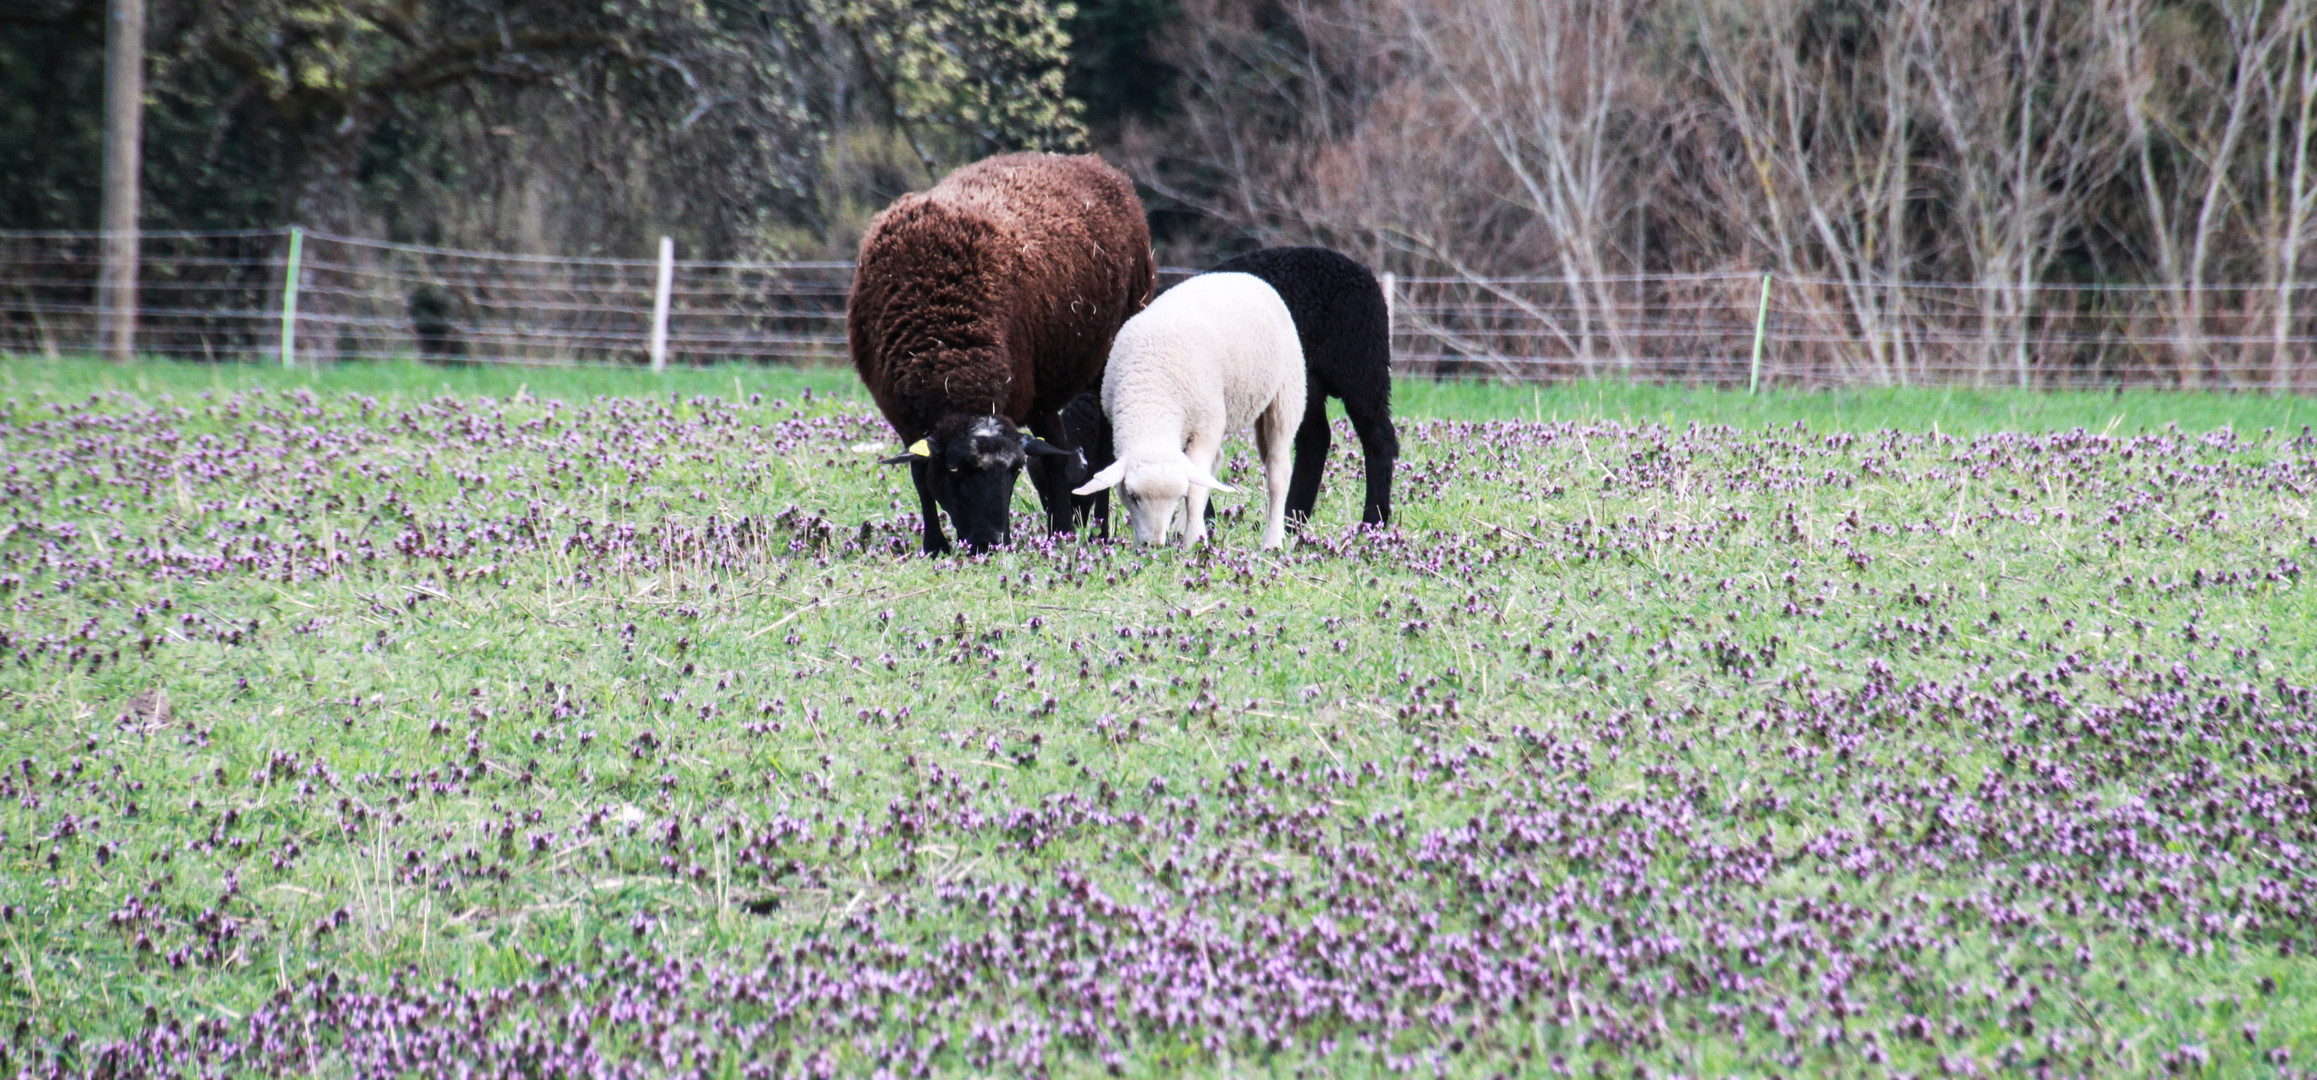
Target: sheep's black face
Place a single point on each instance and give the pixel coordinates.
(967, 468)
(974, 465)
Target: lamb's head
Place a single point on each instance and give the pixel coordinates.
(970, 464)
(1153, 491)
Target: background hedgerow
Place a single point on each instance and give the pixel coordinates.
(402, 721)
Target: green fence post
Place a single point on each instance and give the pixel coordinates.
(290, 299)
(1761, 322)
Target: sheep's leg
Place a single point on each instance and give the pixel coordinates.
(921, 473)
(1311, 444)
(1207, 457)
(1195, 514)
(1380, 445)
(1051, 477)
(1272, 439)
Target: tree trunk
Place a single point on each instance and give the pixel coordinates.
(124, 115)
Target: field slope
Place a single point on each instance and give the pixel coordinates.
(399, 721)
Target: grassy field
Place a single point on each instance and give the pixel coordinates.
(1952, 411)
(411, 721)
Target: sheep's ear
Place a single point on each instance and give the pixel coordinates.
(921, 450)
(1037, 447)
(1103, 480)
(1207, 480)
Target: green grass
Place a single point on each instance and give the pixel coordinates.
(415, 380)
(1869, 409)
(454, 668)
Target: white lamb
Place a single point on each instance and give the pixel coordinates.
(1208, 357)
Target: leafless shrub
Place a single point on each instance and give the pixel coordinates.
(2100, 180)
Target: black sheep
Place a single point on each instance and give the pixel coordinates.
(1346, 330)
(985, 305)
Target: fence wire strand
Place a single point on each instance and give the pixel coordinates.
(218, 296)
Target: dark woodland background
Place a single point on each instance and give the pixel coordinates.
(2015, 144)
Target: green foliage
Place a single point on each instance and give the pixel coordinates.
(213, 157)
(563, 123)
(51, 131)
(1114, 64)
(989, 70)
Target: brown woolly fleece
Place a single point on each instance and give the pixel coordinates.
(997, 292)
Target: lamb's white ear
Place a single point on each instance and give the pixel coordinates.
(1103, 480)
(1207, 480)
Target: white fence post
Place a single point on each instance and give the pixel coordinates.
(1391, 284)
(1761, 323)
(290, 297)
(660, 303)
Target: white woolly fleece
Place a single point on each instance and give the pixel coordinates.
(1211, 356)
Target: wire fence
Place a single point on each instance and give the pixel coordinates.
(222, 296)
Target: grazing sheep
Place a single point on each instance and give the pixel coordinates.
(986, 304)
(1345, 329)
(1208, 357)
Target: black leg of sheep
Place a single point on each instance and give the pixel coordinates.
(1088, 432)
(1051, 475)
(921, 473)
(1092, 512)
(1311, 446)
(1379, 447)
(1380, 444)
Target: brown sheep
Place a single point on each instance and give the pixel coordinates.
(985, 305)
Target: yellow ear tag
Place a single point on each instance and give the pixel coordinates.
(920, 449)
